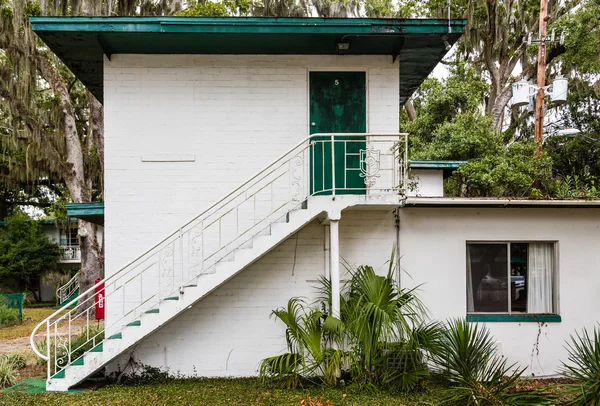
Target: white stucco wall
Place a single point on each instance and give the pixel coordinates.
(234, 114)
(427, 183)
(433, 250)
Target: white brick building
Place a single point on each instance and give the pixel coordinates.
(221, 201)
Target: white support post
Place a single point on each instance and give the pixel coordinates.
(326, 250)
(334, 262)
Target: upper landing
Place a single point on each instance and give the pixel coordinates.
(82, 42)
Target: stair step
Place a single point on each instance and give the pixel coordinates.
(136, 323)
(153, 311)
(59, 375)
(117, 336)
(78, 362)
(172, 298)
(190, 286)
(98, 348)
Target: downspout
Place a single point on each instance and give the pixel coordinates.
(397, 256)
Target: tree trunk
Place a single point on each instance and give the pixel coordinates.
(92, 260)
(410, 110)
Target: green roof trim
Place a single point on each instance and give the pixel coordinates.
(92, 212)
(44, 222)
(81, 42)
(436, 164)
(514, 318)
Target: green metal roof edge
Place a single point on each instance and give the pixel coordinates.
(85, 209)
(422, 164)
(42, 222)
(262, 25)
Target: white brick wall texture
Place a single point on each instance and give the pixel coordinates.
(231, 330)
(234, 115)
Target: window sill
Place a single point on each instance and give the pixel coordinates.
(514, 318)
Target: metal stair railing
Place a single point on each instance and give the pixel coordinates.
(64, 292)
(212, 238)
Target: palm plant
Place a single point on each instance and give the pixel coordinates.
(385, 328)
(309, 355)
(385, 324)
(380, 339)
(584, 366)
(466, 354)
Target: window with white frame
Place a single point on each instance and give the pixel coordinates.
(511, 277)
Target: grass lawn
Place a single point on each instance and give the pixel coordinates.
(25, 329)
(215, 392)
(247, 392)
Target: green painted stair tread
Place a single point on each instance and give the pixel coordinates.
(136, 323)
(172, 298)
(117, 336)
(98, 348)
(153, 311)
(78, 362)
(59, 375)
(304, 205)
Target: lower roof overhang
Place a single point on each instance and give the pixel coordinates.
(92, 212)
(81, 42)
(436, 202)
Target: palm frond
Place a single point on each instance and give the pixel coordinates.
(584, 366)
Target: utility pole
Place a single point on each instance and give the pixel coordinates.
(541, 78)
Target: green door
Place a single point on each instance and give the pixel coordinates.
(337, 105)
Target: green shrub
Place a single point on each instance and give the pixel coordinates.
(17, 359)
(584, 366)
(467, 356)
(7, 373)
(8, 316)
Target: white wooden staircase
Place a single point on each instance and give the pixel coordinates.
(209, 250)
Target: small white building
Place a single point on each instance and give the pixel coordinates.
(221, 201)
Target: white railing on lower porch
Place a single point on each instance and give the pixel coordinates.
(197, 247)
(69, 253)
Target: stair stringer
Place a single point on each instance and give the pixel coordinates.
(72, 375)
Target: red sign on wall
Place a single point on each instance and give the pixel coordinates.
(100, 300)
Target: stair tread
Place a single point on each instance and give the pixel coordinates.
(59, 375)
(98, 348)
(276, 230)
(78, 362)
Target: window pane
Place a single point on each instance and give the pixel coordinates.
(487, 270)
(540, 278)
(518, 277)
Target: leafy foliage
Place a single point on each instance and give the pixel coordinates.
(467, 357)
(8, 316)
(7, 372)
(379, 339)
(25, 252)
(584, 366)
(204, 9)
(451, 126)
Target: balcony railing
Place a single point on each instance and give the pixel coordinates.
(69, 253)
